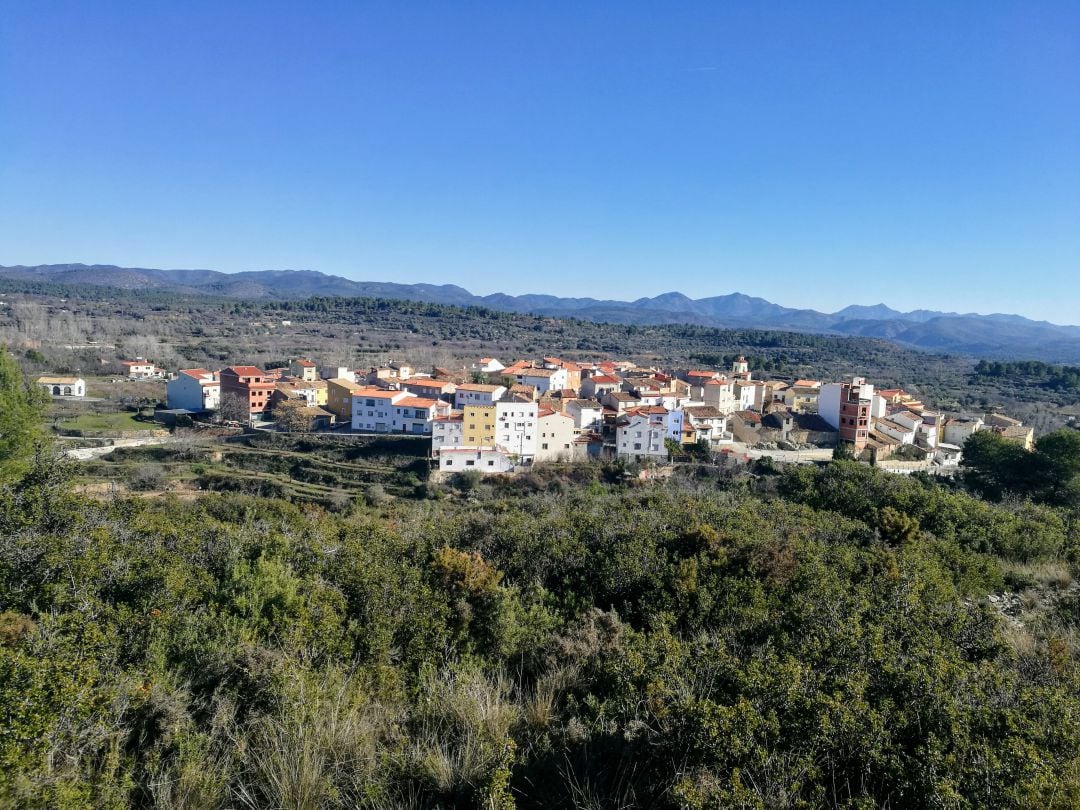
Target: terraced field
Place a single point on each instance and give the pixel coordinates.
(331, 470)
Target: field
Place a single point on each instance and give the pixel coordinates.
(330, 471)
(105, 422)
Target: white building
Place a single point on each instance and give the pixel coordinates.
(596, 387)
(641, 439)
(748, 393)
(543, 379)
(957, 429)
(902, 432)
(63, 386)
(516, 428)
(141, 369)
(474, 394)
(447, 431)
(377, 411)
(416, 415)
(194, 389)
(373, 409)
(488, 365)
(587, 414)
(720, 393)
(557, 434)
(709, 424)
(338, 373)
(829, 404)
(484, 459)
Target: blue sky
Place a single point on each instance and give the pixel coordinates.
(816, 154)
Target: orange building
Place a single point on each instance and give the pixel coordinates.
(248, 382)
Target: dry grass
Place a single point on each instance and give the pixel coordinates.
(1053, 574)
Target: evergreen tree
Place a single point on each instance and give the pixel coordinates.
(22, 407)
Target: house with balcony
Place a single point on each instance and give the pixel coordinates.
(251, 384)
(416, 415)
(141, 369)
(706, 424)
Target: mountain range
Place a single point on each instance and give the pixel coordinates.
(999, 336)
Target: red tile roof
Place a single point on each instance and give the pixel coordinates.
(245, 371)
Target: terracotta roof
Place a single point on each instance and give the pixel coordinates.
(703, 412)
(545, 412)
(428, 382)
(536, 372)
(606, 379)
(483, 389)
(245, 371)
(806, 384)
(419, 402)
(377, 393)
(197, 373)
(305, 363)
(749, 417)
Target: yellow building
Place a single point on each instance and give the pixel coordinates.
(479, 426)
(339, 393)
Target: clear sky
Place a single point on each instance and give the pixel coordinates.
(815, 154)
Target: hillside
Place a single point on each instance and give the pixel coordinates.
(998, 336)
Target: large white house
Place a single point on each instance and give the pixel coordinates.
(416, 415)
(194, 389)
(516, 428)
(640, 438)
(373, 409)
(376, 410)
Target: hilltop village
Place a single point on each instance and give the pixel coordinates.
(496, 418)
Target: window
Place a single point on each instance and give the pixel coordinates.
(637, 445)
(544, 446)
(449, 462)
(470, 463)
(491, 463)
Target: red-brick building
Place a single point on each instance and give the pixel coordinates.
(856, 397)
(249, 382)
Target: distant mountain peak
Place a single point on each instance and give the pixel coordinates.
(999, 335)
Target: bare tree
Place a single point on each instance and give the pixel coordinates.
(292, 415)
(234, 407)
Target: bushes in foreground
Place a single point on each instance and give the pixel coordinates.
(668, 645)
